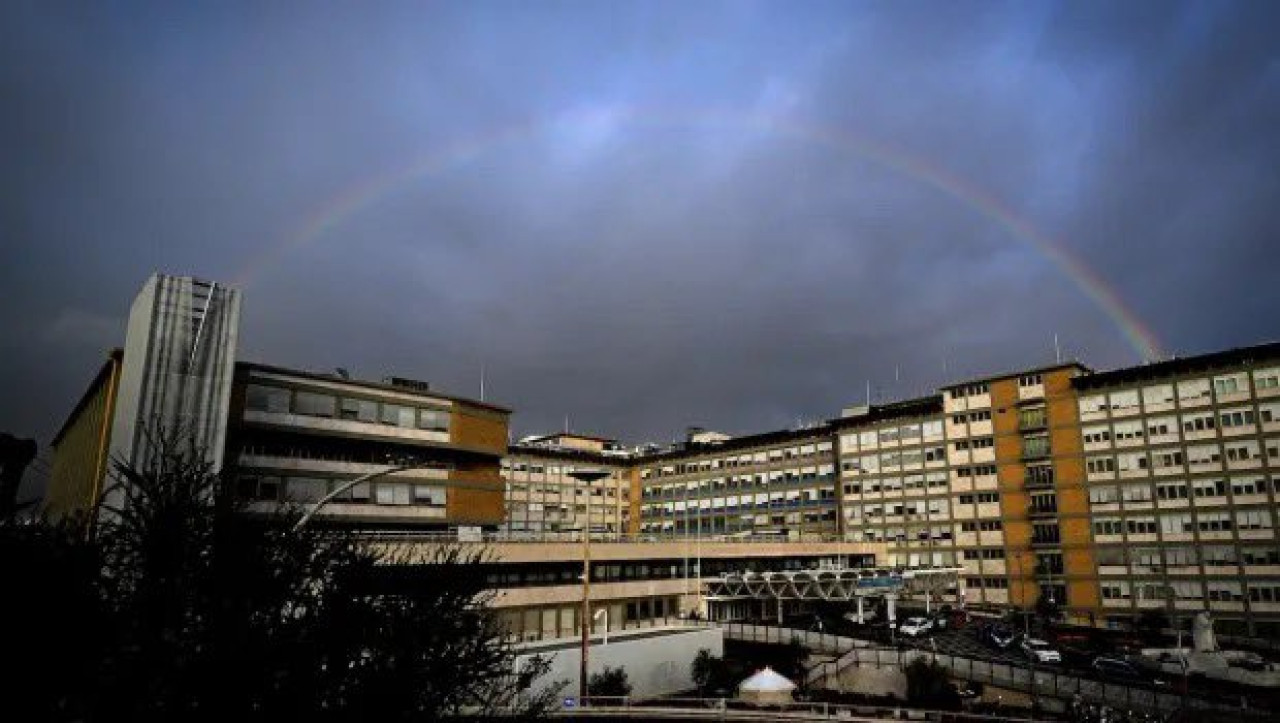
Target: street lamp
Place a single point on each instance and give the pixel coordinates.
(302, 521)
(586, 476)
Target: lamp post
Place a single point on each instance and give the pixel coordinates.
(306, 517)
(586, 476)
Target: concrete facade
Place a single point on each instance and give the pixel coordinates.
(179, 356)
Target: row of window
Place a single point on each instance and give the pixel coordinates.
(745, 460)
(1183, 523)
(1153, 559)
(1183, 490)
(1212, 590)
(1190, 423)
(1173, 460)
(1187, 390)
(304, 490)
(265, 398)
(707, 486)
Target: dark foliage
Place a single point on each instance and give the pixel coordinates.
(183, 607)
(929, 686)
(713, 675)
(609, 683)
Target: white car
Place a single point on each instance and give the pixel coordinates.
(915, 627)
(1040, 650)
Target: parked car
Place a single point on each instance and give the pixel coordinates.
(1040, 651)
(998, 636)
(915, 627)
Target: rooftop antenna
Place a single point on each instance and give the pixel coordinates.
(1057, 350)
(868, 393)
(566, 424)
(482, 381)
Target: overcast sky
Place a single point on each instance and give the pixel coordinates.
(640, 216)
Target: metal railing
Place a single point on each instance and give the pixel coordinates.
(1041, 681)
(735, 709)
(596, 537)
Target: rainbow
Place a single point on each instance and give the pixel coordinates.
(356, 199)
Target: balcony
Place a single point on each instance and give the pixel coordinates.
(1035, 452)
(1042, 510)
(1031, 422)
(1046, 541)
(1038, 481)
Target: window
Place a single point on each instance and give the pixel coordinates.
(306, 489)
(1236, 418)
(1136, 493)
(1096, 435)
(1104, 495)
(1140, 525)
(1037, 446)
(392, 493)
(1040, 474)
(1193, 389)
(1266, 379)
(1030, 380)
(1248, 486)
(1131, 462)
(1041, 533)
(1176, 524)
(1210, 488)
(359, 409)
(1124, 400)
(433, 420)
(1162, 394)
(261, 398)
(1093, 405)
(1172, 491)
(1128, 430)
(988, 497)
(399, 416)
(428, 495)
(1241, 451)
(314, 404)
(1213, 522)
(1229, 384)
(1198, 423)
(1099, 465)
(1259, 519)
(1107, 526)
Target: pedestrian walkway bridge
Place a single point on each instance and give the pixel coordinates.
(833, 584)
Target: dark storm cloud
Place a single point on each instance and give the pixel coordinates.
(609, 227)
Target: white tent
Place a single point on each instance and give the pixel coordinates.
(766, 688)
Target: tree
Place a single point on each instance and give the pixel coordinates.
(609, 683)
(702, 669)
(929, 685)
(208, 613)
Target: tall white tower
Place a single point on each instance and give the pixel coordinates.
(179, 358)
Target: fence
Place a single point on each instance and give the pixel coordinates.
(733, 709)
(597, 536)
(1044, 682)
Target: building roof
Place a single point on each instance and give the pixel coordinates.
(256, 366)
(918, 407)
(1178, 366)
(1020, 373)
(566, 454)
(574, 435)
(692, 449)
(114, 357)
